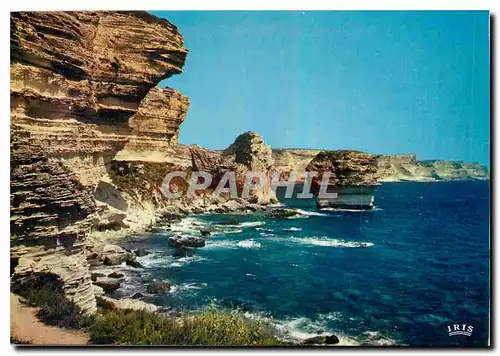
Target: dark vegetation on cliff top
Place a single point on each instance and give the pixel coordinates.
(210, 327)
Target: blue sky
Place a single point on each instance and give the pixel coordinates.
(381, 82)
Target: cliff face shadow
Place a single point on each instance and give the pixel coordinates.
(107, 193)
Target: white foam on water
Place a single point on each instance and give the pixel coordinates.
(191, 286)
(231, 231)
(250, 243)
(293, 229)
(352, 210)
(299, 329)
(155, 260)
(264, 229)
(298, 216)
(310, 213)
(252, 224)
(329, 242)
(190, 259)
(213, 244)
(185, 226)
(266, 234)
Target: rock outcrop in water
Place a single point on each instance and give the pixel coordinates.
(348, 175)
(346, 168)
(248, 153)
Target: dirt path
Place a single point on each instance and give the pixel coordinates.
(25, 326)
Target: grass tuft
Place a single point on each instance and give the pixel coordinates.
(206, 328)
(210, 327)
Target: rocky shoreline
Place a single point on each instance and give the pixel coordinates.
(119, 265)
(108, 257)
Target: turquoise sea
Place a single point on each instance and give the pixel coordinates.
(398, 274)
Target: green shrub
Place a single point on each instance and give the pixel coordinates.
(45, 291)
(207, 328)
(210, 327)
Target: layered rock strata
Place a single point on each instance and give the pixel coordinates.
(248, 153)
(93, 139)
(84, 113)
(395, 168)
(392, 168)
(348, 176)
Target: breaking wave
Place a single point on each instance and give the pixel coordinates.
(310, 213)
(161, 260)
(299, 329)
(251, 224)
(352, 210)
(211, 244)
(293, 229)
(329, 242)
(249, 244)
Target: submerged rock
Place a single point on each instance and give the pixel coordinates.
(183, 252)
(171, 217)
(281, 213)
(112, 260)
(186, 241)
(107, 284)
(231, 221)
(141, 252)
(133, 263)
(158, 287)
(205, 232)
(94, 276)
(137, 296)
(116, 275)
(322, 340)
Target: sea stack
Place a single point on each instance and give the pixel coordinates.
(248, 153)
(352, 180)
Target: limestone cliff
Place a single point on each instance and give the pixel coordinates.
(392, 168)
(84, 113)
(352, 177)
(287, 161)
(395, 168)
(248, 153)
(93, 139)
(347, 168)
